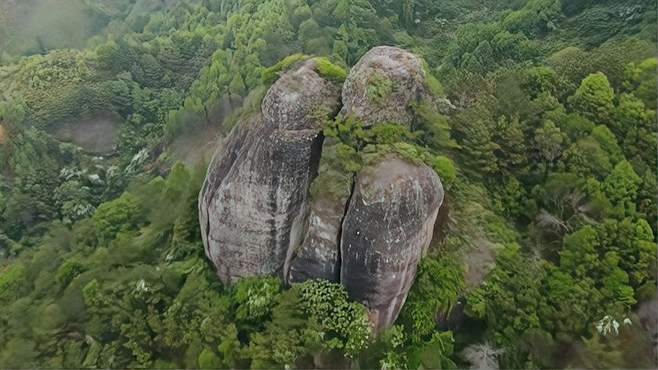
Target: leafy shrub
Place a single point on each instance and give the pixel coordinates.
(69, 270)
(11, 279)
(121, 214)
(431, 83)
(445, 168)
(439, 282)
(254, 299)
(344, 324)
(311, 318)
(334, 179)
(209, 360)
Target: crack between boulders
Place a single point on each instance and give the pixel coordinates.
(314, 166)
(339, 260)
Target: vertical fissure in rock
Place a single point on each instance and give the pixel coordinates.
(313, 166)
(316, 156)
(206, 247)
(339, 259)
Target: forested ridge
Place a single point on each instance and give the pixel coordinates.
(543, 135)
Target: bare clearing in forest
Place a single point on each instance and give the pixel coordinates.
(3, 134)
(95, 134)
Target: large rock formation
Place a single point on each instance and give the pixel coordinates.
(386, 230)
(318, 256)
(254, 200)
(368, 230)
(383, 85)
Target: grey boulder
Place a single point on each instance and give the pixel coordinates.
(253, 203)
(387, 229)
(383, 85)
(277, 201)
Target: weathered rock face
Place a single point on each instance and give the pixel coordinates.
(258, 216)
(386, 230)
(318, 256)
(382, 86)
(254, 201)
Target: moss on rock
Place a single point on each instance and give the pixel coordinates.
(328, 70)
(334, 178)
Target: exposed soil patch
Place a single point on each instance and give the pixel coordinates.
(195, 146)
(480, 259)
(442, 219)
(199, 144)
(3, 134)
(95, 134)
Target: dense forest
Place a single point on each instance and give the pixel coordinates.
(545, 144)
